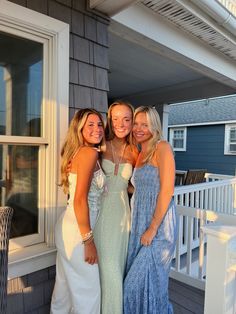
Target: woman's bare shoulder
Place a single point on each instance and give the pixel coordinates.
(86, 153)
(133, 153)
(163, 146)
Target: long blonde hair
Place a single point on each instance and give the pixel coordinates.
(154, 125)
(109, 133)
(74, 140)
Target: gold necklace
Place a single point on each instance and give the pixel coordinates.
(117, 162)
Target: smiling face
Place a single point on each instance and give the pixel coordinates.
(141, 130)
(92, 131)
(121, 117)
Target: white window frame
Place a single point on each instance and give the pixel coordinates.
(54, 35)
(227, 138)
(184, 129)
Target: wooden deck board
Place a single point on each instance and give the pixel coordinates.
(185, 299)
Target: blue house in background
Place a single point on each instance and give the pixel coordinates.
(203, 134)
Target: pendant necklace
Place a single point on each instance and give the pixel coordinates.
(117, 162)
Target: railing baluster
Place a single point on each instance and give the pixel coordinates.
(201, 245)
(206, 199)
(227, 204)
(222, 201)
(191, 199)
(231, 198)
(234, 200)
(214, 199)
(201, 199)
(189, 244)
(210, 199)
(217, 198)
(179, 244)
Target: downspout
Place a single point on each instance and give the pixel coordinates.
(216, 11)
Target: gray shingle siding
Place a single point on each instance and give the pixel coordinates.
(88, 50)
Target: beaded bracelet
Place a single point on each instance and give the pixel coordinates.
(88, 241)
(87, 236)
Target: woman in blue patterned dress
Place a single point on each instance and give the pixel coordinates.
(154, 222)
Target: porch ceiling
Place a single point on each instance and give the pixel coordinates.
(137, 70)
(145, 70)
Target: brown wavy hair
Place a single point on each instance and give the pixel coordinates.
(74, 140)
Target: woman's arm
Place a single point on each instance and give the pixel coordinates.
(84, 163)
(166, 166)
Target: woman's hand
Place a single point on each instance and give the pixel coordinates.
(90, 253)
(147, 236)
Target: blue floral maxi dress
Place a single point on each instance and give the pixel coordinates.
(147, 271)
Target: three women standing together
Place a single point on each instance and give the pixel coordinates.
(153, 231)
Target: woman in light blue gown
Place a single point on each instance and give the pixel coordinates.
(154, 222)
(112, 229)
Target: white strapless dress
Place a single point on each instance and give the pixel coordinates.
(77, 287)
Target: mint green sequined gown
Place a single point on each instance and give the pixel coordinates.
(111, 236)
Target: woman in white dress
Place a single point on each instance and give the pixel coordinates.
(77, 287)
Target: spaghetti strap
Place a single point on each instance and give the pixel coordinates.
(76, 152)
(98, 163)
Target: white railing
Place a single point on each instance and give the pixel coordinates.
(216, 177)
(220, 291)
(189, 264)
(217, 195)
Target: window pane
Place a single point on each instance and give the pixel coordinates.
(232, 148)
(233, 135)
(178, 143)
(19, 186)
(21, 74)
(178, 134)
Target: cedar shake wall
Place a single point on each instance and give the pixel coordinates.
(31, 293)
(88, 88)
(88, 50)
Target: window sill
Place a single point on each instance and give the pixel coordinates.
(230, 153)
(30, 259)
(179, 149)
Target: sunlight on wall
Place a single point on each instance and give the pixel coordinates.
(230, 5)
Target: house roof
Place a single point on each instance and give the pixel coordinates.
(205, 111)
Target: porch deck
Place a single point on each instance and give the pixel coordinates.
(185, 299)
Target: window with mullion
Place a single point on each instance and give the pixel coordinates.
(232, 140)
(178, 138)
(21, 117)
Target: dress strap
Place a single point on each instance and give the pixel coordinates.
(99, 165)
(76, 152)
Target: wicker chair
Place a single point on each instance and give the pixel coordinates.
(5, 223)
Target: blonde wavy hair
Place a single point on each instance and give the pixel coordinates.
(109, 133)
(154, 126)
(74, 140)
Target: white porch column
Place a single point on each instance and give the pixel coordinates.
(220, 291)
(165, 119)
